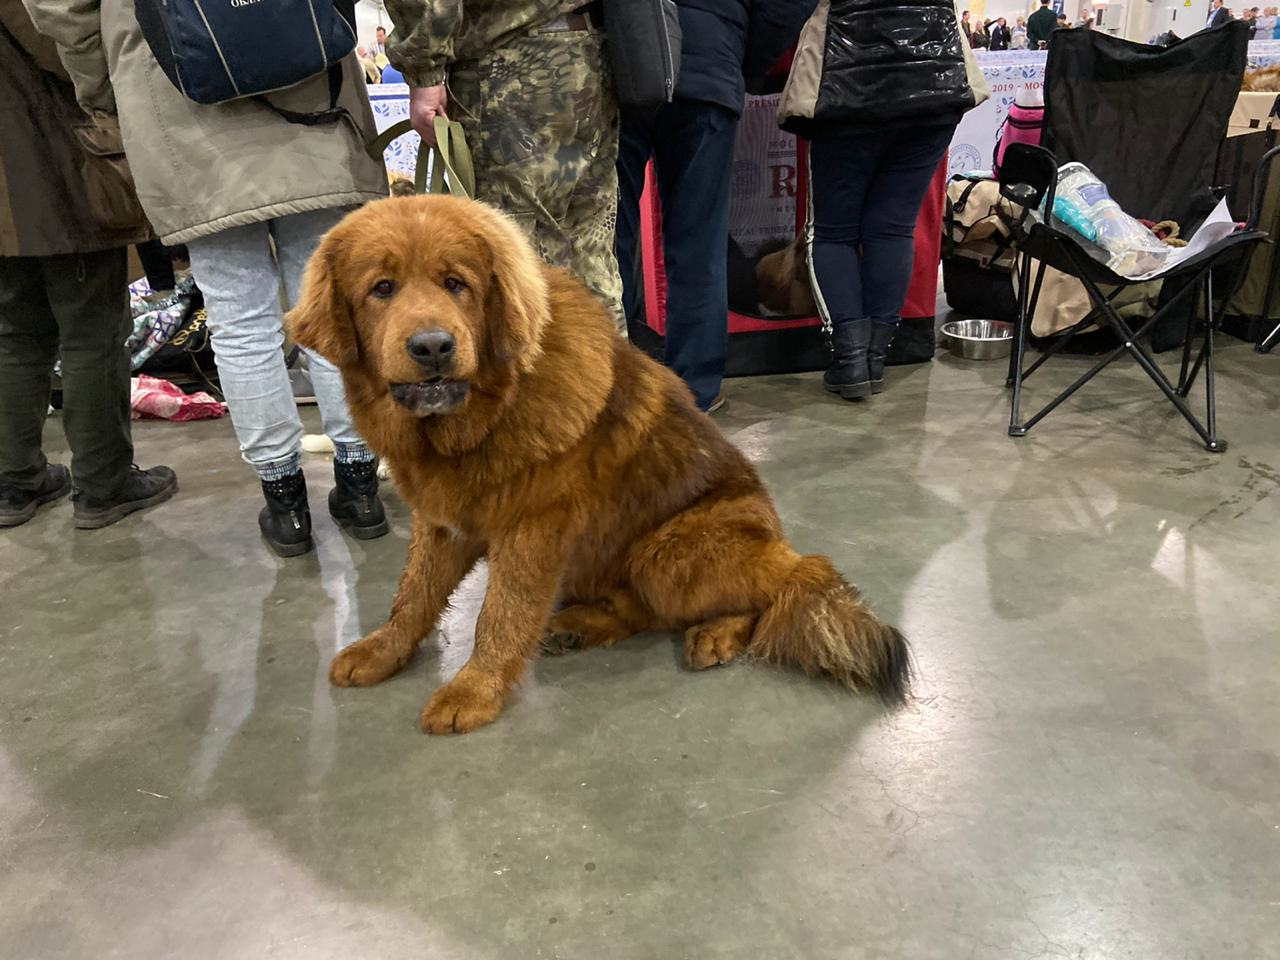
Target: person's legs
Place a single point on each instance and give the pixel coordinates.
(694, 157)
(542, 126)
(354, 499)
(241, 283)
(840, 171)
(28, 348)
(88, 294)
(893, 200)
(888, 227)
(158, 264)
(296, 240)
(591, 220)
(635, 146)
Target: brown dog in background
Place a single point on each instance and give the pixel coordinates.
(524, 430)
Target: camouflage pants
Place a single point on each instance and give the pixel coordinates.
(542, 125)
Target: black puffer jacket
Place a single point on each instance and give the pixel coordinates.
(877, 63)
(727, 40)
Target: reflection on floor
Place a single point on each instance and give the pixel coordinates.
(1091, 767)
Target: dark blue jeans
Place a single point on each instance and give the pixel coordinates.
(692, 146)
(866, 191)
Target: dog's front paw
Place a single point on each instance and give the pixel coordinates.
(461, 706)
(366, 662)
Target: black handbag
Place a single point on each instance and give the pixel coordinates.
(644, 47)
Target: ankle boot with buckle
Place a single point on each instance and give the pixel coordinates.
(354, 502)
(285, 521)
(881, 337)
(848, 375)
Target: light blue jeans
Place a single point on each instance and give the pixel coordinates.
(241, 276)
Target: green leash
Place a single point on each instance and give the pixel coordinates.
(452, 156)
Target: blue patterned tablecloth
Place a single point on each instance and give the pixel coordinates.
(391, 105)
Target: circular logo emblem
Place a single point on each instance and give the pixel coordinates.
(964, 157)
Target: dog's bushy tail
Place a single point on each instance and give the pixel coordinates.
(818, 622)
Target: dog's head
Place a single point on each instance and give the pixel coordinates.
(430, 297)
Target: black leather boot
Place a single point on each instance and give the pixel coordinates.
(848, 374)
(881, 336)
(285, 521)
(354, 502)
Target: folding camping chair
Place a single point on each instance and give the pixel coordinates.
(1148, 122)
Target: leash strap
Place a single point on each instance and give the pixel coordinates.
(452, 157)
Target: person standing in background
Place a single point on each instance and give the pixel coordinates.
(531, 84)
(966, 27)
(1018, 36)
(1040, 26)
(879, 117)
(66, 220)
(1000, 35)
(250, 194)
(691, 141)
(1218, 16)
(379, 51)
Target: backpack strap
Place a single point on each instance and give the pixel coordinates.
(319, 118)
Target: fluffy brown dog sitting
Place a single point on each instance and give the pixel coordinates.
(523, 429)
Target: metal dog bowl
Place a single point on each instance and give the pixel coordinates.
(978, 339)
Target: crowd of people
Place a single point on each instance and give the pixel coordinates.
(117, 155)
(1032, 33)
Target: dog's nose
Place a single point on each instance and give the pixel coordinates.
(431, 348)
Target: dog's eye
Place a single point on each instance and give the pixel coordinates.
(383, 289)
(454, 285)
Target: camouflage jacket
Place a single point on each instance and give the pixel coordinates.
(430, 35)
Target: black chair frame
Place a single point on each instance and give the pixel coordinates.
(1028, 177)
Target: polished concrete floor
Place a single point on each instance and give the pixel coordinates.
(1090, 768)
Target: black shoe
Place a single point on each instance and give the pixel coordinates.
(354, 502)
(17, 505)
(848, 375)
(141, 489)
(881, 337)
(285, 521)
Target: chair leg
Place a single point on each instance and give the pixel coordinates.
(1018, 355)
(1212, 444)
(1183, 384)
(1133, 345)
(1271, 340)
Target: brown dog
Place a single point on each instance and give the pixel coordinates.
(522, 429)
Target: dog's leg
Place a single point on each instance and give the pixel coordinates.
(524, 575)
(602, 624)
(717, 641)
(437, 563)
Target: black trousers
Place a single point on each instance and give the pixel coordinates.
(692, 146)
(75, 305)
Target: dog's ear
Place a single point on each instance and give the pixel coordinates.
(520, 299)
(321, 321)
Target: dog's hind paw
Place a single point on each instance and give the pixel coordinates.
(557, 642)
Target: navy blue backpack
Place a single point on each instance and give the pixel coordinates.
(219, 50)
